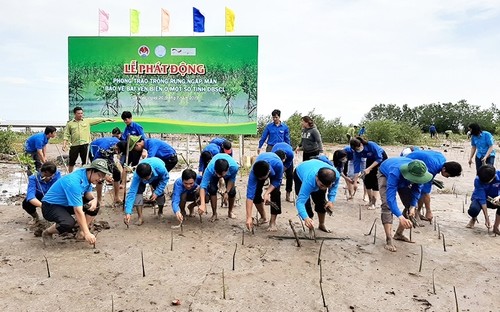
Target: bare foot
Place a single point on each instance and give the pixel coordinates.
(428, 216)
(140, 222)
(389, 245)
(401, 237)
(272, 228)
(471, 223)
(323, 228)
(496, 231)
(262, 221)
(79, 236)
(214, 218)
(371, 207)
(33, 221)
(231, 215)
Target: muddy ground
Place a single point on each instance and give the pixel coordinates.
(208, 267)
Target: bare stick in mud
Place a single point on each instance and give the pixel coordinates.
(435, 222)
(62, 159)
(48, 269)
(433, 284)
(112, 304)
(294, 232)
(373, 224)
(439, 232)
(359, 212)
(171, 240)
(456, 299)
(142, 263)
(243, 237)
(319, 253)
(375, 234)
(234, 254)
(463, 207)
(321, 285)
(410, 233)
(223, 286)
(421, 258)
(314, 235)
(444, 243)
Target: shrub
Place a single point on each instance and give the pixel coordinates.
(7, 140)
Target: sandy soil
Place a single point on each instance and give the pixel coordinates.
(263, 274)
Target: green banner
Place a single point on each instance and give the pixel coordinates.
(198, 85)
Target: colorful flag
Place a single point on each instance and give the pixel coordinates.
(103, 21)
(134, 21)
(229, 20)
(198, 21)
(165, 20)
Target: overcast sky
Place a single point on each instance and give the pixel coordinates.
(339, 57)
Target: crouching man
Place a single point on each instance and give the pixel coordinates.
(66, 198)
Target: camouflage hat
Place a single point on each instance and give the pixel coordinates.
(99, 164)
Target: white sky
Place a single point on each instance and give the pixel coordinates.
(339, 57)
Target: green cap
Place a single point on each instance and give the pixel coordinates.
(133, 140)
(99, 164)
(416, 172)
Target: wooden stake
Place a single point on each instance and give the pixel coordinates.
(373, 224)
(359, 212)
(466, 198)
(410, 233)
(142, 262)
(319, 254)
(223, 286)
(234, 254)
(421, 258)
(433, 284)
(171, 240)
(375, 235)
(314, 235)
(444, 243)
(321, 284)
(463, 208)
(456, 299)
(435, 222)
(112, 304)
(294, 233)
(243, 237)
(48, 269)
(439, 232)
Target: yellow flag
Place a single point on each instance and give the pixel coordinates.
(165, 20)
(134, 21)
(229, 20)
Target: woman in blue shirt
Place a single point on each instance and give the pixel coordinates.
(482, 146)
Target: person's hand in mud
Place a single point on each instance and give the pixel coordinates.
(93, 204)
(126, 219)
(309, 223)
(249, 223)
(202, 208)
(90, 238)
(405, 223)
(329, 208)
(179, 216)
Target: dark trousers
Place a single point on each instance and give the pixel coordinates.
(63, 215)
(275, 197)
(318, 197)
(475, 208)
(309, 155)
(170, 162)
(78, 150)
(29, 207)
(289, 178)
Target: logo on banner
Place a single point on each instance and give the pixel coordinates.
(143, 51)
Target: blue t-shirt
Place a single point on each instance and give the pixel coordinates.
(483, 190)
(180, 189)
(482, 142)
(213, 149)
(69, 190)
(210, 171)
(287, 148)
(102, 144)
(158, 173)
(390, 168)
(37, 187)
(133, 129)
(275, 173)
(371, 151)
(36, 142)
(275, 134)
(433, 160)
(159, 148)
(307, 172)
